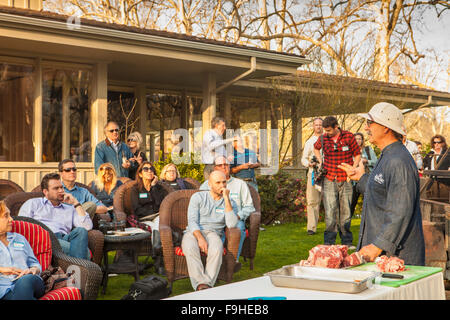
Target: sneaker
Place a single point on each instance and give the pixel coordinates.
(310, 232)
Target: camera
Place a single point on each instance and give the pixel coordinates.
(319, 173)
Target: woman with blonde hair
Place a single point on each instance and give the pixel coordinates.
(134, 142)
(19, 267)
(106, 184)
(171, 176)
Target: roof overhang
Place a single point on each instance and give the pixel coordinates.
(137, 57)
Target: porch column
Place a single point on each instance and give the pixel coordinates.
(209, 101)
(296, 137)
(99, 107)
(227, 109)
(141, 95)
(37, 132)
(263, 143)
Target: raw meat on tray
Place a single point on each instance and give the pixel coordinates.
(331, 256)
(389, 264)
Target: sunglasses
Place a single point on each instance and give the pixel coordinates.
(113, 130)
(434, 142)
(70, 169)
(130, 140)
(147, 169)
(105, 168)
(369, 122)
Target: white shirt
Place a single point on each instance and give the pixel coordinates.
(415, 153)
(213, 145)
(308, 151)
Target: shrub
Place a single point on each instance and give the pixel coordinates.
(283, 198)
(191, 170)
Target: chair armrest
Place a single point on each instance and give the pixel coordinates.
(253, 231)
(90, 273)
(233, 236)
(96, 241)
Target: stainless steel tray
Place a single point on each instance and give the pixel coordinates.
(325, 279)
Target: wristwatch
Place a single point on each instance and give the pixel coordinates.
(77, 205)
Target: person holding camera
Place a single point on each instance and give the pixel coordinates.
(313, 191)
(339, 146)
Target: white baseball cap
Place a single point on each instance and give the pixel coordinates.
(387, 115)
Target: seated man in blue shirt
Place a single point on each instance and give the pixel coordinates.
(63, 214)
(239, 192)
(90, 204)
(209, 212)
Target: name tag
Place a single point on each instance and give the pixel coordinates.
(220, 210)
(143, 195)
(17, 244)
(345, 148)
(234, 195)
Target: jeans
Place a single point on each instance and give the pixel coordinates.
(337, 197)
(28, 287)
(75, 243)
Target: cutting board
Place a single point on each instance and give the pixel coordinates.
(412, 273)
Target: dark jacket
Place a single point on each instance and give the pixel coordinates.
(104, 152)
(391, 217)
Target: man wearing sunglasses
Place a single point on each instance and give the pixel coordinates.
(90, 204)
(391, 221)
(114, 151)
(338, 146)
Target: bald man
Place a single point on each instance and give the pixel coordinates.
(209, 212)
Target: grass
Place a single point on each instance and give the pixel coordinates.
(278, 245)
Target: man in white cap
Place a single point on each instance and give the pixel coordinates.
(391, 222)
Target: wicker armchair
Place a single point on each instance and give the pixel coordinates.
(253, 222)
(8, 187)
(192, 182)
(90, 273)
(123, 207)
(96, 238)
(173, 218)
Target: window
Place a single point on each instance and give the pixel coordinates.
(16, 122)
(65, 115)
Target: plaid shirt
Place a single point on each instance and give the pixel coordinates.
(342, 151)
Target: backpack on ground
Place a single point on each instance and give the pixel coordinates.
(149, 288)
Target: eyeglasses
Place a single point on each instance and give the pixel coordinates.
(105, 168)
(369, 122)
(70, 169)
(113, 130)
(147, 169)
(434, 142)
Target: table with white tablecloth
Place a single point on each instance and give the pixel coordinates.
(428, 288)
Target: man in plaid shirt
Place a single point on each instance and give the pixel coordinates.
(339, 146)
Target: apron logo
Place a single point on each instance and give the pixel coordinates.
(379, 178)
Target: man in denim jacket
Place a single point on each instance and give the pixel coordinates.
(391, 220)
(114, 151)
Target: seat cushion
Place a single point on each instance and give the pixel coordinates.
(179, 252)
(66, 293)
(39, 240)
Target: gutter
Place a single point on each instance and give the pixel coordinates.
(246, 73)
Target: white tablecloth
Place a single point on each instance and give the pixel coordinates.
(429, 288)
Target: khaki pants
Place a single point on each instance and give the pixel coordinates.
(197, 273)
(313, 199)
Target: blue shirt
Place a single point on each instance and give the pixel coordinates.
(17, 254)
(241, 158)
(82, 195)
(62, 218)
(205, 213)
(105, 152)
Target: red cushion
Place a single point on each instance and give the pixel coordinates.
(179, 252)
(66, 293)
(39, 240)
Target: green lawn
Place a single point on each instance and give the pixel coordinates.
(278, 245)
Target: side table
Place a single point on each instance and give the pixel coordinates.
(113, 243)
